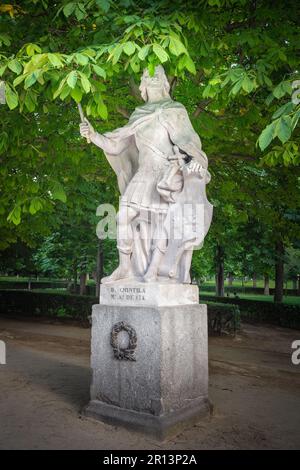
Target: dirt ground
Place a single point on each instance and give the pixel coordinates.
(254, 387)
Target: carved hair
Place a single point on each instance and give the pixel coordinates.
(165, 84)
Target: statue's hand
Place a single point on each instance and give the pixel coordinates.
(195, 167)
(86, 130)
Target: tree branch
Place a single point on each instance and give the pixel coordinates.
(123, 111)
(201, 107)
(134, 89)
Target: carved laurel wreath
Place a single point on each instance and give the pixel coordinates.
(123, 353)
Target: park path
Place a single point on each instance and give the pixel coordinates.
(253, 385)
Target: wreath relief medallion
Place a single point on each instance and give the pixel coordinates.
(123, 353)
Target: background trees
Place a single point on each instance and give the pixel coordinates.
(232, 63)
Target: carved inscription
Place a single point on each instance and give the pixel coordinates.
(128, 293)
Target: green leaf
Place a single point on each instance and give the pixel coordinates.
(30, 100)
(134, 65)
(31, 49)
(15, 215)
(160, 53)
(5, 39)
(72, 79)
(236, 88)
(284, 128)
(189, 64)
(104, 5)
(102, 110)
(267, 80)
(176, 47)
(69, 8)
(11, 97)
(58, 192)
(99, 71)
(281, 89)
(76, 94)
(35, 205)
(129, 48)
(15, 66)
(30, 80)
(116, 53)
(65, 91)
(285, 109)
(19, 79)
(2, 69)
(85, 82)
(143, 52)
(81, 59)
(247, 84)
(208, 92)
(80, 12)
(59, 89)
(55, 60)
(151, 69)
(266, 136)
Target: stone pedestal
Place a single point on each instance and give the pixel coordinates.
(149, 359)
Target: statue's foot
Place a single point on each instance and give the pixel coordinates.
(118, 274)
(150, 277)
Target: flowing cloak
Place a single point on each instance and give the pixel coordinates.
(173, 116)
(125, 162)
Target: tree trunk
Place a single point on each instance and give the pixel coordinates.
(99, 272)
(279, 271)
(266, 284)
(230, 279)
(70, 286)
(220, 271)
(75, 275)
(298, 285)
(294, 280)
(82, 289)
(254, 280)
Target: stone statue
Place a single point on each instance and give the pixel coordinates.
(162, 174)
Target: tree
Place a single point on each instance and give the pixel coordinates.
(232, 63)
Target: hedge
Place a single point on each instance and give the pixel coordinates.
(245, 290)
(223, 314)
(279, 314)
(44, 304)
(33, 284)
(221, 318)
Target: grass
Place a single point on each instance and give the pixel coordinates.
(51, 291)
(287, 299)
(292, 300)
(259, 283)
(26, 279)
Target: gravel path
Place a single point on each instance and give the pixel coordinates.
(254, 387)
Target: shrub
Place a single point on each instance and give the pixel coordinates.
(222, 318)
(43, 304)
(244, 290)
(33, 284)
(260, 311)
